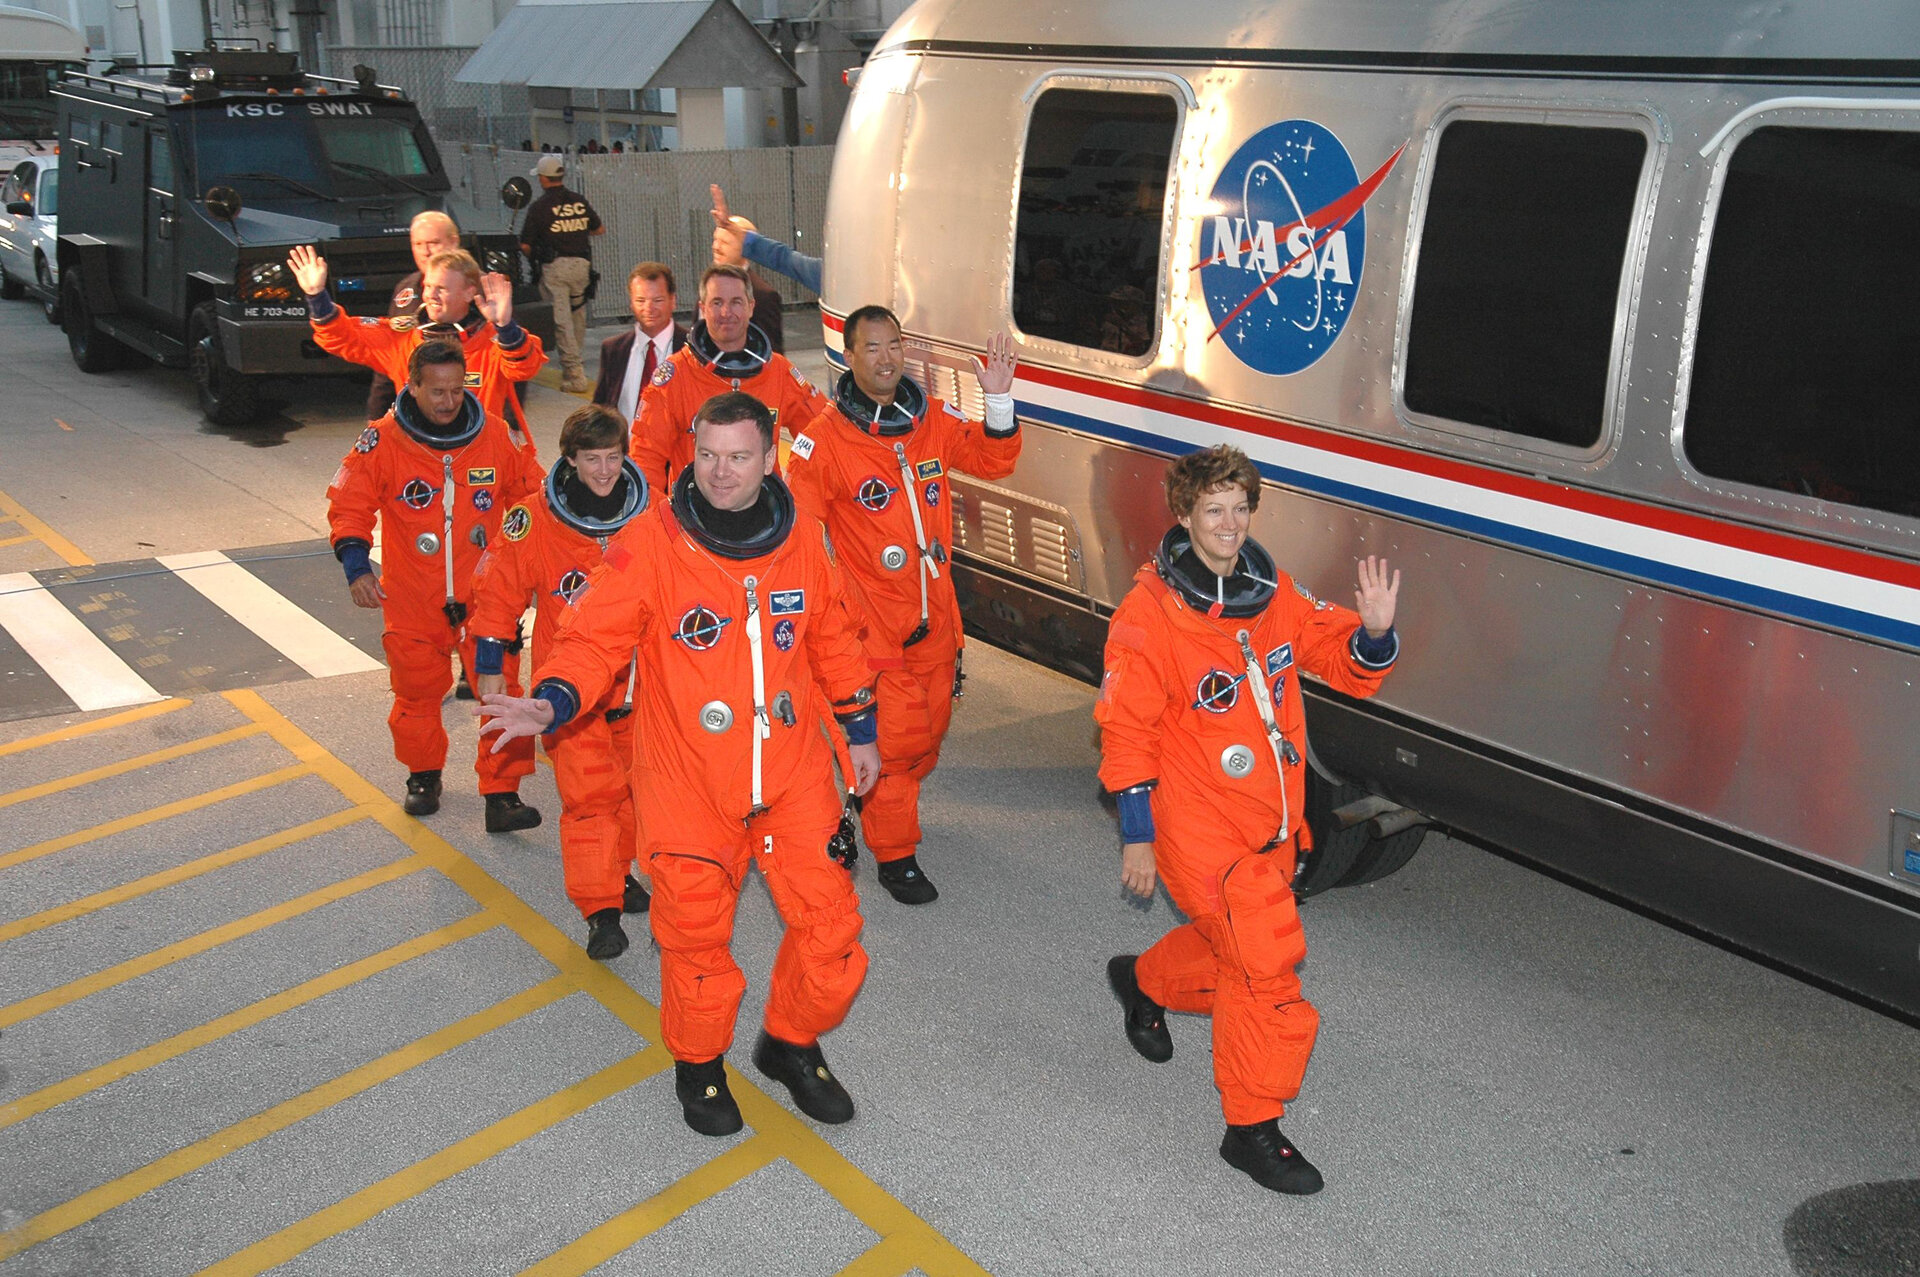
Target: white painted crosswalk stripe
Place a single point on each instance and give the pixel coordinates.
(281, 624)
(71, 654)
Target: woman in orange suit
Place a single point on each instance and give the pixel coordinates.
(1203, 742)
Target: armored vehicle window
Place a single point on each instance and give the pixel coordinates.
(1804, 373)
(160, 162)
(384, 144)
(1092, 198)
(1519, 277)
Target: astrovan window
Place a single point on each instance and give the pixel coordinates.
(1806, 369)
(1093, 188)
(1518, 286)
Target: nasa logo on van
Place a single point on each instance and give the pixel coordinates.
(1282, 252)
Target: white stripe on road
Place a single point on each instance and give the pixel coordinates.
(282, 624)
(71, 654)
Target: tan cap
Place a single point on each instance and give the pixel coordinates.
(550, 166)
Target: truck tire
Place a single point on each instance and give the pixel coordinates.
(1384, 856)
(49, 291)
(228, 398)
(1334, 848)
(93, 350)
(10, 288)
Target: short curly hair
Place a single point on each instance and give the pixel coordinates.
(1209, 470)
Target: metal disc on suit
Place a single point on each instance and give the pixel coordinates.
(427, 543)
(1236, 761)
(893, 558)
(716, 716)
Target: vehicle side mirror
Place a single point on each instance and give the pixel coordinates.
(517, 193)
(20, 208)
(223, 202)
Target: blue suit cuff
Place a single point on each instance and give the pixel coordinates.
(862, 729)
(512, 336)
(1375, 653)
(565, 701)
(320, 306)
(1136, 813)
(488, 655)
(355, 558)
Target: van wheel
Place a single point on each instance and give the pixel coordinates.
(228, 398)
(1383, 856)
(10, 288)
(49, 291)
(1334, 848)
(93, 350)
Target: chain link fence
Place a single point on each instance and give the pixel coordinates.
(455, 112)
(655, 206)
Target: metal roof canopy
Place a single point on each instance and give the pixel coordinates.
(628, 44)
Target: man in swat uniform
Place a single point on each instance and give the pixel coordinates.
(546, 550)
(434, 475)
(734, 602)
(555, 237)
(724, 352)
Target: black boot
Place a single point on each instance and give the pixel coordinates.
(605, 939)
(705, 1101)
(804, 1072)
(1264, 1152)
(506, 813)
(1146, 1020)
(636, 899)
(905, 881)
(462, 690)
(423, 793)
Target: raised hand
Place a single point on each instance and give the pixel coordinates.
(996, 375)
(309, 269)
(729, 232)
(1376, 598)
(496, 299)
(513, 716)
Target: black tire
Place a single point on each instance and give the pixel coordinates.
(93, 350)
(49, 291)
(1334, 849)
(10, 288)
(228, 398)
(1384, 856)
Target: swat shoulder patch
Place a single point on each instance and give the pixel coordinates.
(369, 440)
(516, 523)
(802, 447)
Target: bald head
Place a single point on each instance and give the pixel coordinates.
(432, 233)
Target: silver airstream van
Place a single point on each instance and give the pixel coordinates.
(1603, 321)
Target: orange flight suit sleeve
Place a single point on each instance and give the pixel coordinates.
(521, 362)
(593, 645)
(376, 345)
(799, 401)
(1133, 700)
(353, 497)
(650, 441)
(834, 649)
(971, 449)
(501, 591)
(1325, 648)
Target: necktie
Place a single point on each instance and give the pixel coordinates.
(646, 369)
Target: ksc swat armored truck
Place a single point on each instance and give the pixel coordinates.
(184, 188)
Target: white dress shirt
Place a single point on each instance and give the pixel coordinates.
(627, 403)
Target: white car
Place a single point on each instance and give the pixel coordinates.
(29, 231)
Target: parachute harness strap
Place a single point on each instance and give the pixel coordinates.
(762, 725)
(1277, 742)
(927, 563)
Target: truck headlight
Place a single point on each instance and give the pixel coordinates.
(500, 263)
(267, 282)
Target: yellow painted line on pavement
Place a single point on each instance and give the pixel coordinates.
(600, 1244)
(152, 814)
(203, 1152)
(111, 770)
(16, 541)
(88, 728)
(41, 532)
(892, 1257)
(351, 1212)
(266, 1008)
(179, 873)
(787, 1135)
(133, 968)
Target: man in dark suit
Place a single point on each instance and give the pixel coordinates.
(628, 361)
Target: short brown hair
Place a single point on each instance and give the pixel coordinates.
(1209, 470)
(653, 270)
(737, 405)
(432, 352)
(867, 314)
(726, 272)
(457, 259)
(591, 427)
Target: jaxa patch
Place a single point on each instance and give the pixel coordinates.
(403, 323)
(952, 411)
(1279, 658)
(483, 499)
(516, 523)
(802, 447)
(1218, 692)
(480, 475)
(663, 374)
(418, 494)
(1319, 605)
(928, 469)
(933, 494)
(783, 635)
(787, 602)
(473, 381)
(369, 440)
(699, 628)
(571, 585)
(339, 479)
(369, 321)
